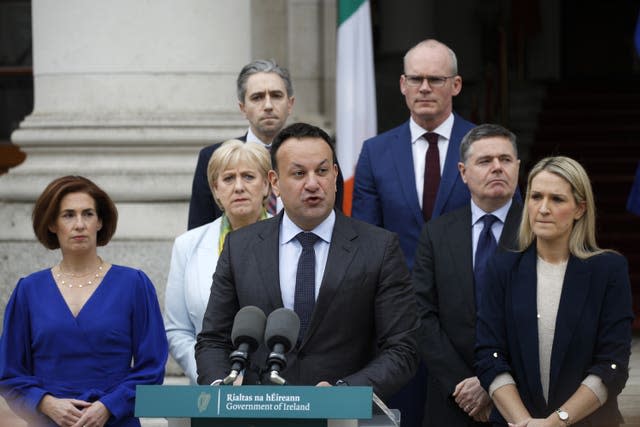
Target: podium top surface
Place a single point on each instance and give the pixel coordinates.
(253, 402)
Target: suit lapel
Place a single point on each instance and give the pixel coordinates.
(403, 161)
(266, 255)
(341, 253)
(450, 170)
(526, 322)
(575, 289)
(509, 236)
(459, 244)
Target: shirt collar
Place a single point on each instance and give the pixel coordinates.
(444, 130)
(501, 213)
(289, 230)
(251, 137)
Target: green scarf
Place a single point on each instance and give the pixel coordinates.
(225, 228)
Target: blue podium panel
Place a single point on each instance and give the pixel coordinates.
(253, 422)
(254, 405)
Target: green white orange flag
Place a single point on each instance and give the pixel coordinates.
(355, 88)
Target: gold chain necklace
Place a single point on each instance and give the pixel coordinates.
(95, 275)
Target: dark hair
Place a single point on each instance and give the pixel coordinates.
(47, 207)
(486, 130)
(262, 66)
(299, 131)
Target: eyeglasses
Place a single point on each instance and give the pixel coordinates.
(434, 81)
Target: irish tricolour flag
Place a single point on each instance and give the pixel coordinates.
(355, 88)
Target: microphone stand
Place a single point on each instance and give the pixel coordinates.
(238, 358)
(277, 362)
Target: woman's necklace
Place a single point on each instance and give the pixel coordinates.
(93, 276)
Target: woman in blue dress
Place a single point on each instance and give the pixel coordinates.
(78, 337)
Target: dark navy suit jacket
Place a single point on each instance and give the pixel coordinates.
(385, 185)
(592, 334)
(364, 320)
(202, 208)
(446, 295)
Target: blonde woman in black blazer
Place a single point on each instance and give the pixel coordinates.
(553, 349)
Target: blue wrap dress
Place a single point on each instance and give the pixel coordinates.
(115, 342)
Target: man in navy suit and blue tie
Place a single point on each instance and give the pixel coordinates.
(346, 280)
(409, 174)
(452, 254)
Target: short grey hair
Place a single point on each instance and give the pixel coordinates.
(486, 130)
(262, 66)
(434, 43)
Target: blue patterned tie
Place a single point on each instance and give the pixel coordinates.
(305, 296)
(484, 251)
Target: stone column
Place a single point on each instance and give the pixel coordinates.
(126, 93)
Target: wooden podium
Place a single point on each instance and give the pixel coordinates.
(259, 406)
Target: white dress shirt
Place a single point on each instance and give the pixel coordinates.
(419, 146)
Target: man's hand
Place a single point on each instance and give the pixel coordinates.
(64, 412)
(470, 396)
(323, 384)
(483, 414)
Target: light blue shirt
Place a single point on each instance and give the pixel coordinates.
(290, 250)
(477, 224)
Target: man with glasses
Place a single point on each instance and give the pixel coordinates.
(408, 175)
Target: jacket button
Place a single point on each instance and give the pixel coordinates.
(495, 355)
(613, 366)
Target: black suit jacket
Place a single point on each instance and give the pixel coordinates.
(203, 209)
(364, 322)
(444, 283)
(592, 333)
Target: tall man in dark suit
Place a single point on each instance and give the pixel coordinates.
(361, 328)
(447, 275)
(408, 175)
(265, 98)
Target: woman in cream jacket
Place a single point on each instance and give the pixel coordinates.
(237, 175)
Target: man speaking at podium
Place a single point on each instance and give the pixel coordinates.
(356, 305)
